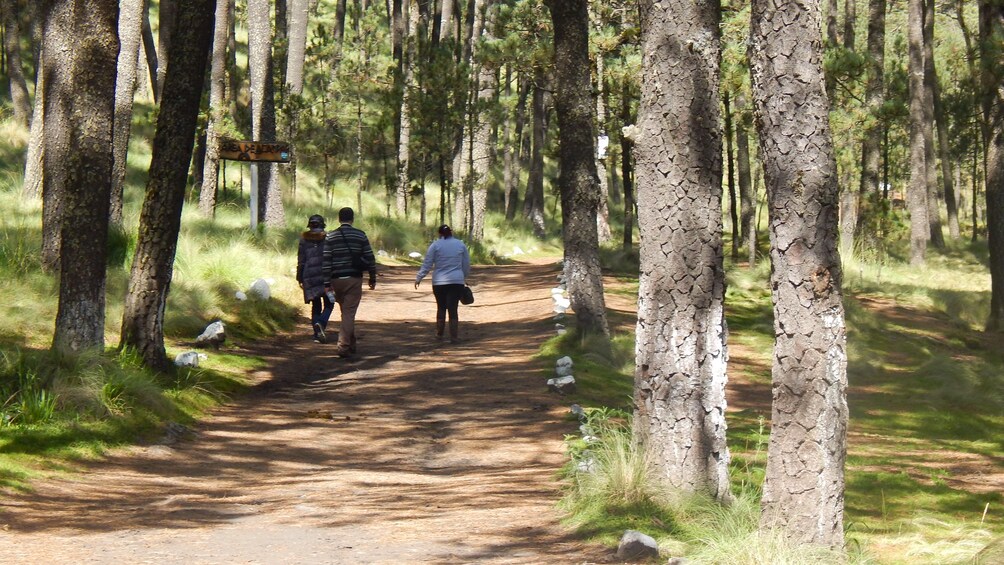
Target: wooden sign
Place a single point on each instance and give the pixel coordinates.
(277, 152)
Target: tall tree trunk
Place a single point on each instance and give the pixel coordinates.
(130, 35)
(920, 229)
(627, 176)
(533, 203)
(82, 100)
(679, 390)
(160, 219)
(33, 170)
(803, 491)
(57, 147)
(850, 21)
(165, 34)
(217, 108)
(280, 40)
(577, 179)
(991, 40)
(263, 108)
(832, 28)
(150, 50)
(403, 184)
(510, 147)
(20, 101)
(747, 198)
(482, 125)
(298, 20)
(603, 215)
(930, 150)
(340, 22)
(874, 99)
(731, 176)
(233, 73)
(446, 18)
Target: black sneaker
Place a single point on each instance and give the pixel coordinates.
(319, 336)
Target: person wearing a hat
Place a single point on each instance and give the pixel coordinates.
(450, 262)
(310, 275)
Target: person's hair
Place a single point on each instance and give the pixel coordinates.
(315, 221)
(445, 231)
(346, 215)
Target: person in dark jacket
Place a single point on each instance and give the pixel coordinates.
(347, 253)
(310, 275)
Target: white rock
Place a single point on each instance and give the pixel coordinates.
(562, 331)
(563, 365)
(636, 546)
(382, 253)
(187, 359)
(239, 295)
(562, 385)
(562, 302)
(214, 335)
(577, 411)
(517, 251)
(415, 255)
(260, 289)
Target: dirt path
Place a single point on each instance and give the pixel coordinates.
(416, 452)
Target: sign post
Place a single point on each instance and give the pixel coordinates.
(255, 152)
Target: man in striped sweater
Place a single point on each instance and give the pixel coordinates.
(347, 253)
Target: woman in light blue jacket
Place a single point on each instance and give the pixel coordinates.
(452, 263)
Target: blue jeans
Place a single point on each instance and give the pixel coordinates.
(320, 310)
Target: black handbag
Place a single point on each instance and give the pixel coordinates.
(467, 296)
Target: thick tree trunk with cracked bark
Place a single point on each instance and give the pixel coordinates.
(263, 108)
(160, 219)
(411, 40)
(577, 180)
(681, 351)
(803, 492)
(992, 38)
(533, 202)
(916, 195)
(81, 94)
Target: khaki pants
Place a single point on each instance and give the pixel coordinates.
(348, 293)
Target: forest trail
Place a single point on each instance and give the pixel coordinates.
(414, 452)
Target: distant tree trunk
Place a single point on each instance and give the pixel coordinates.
(82, 101)
(130, 34)
(991, 38)
(263, 108)
(510, 146)
(482, 125)
(280, 40)
(233, 73)
(680, 376)
(160, 219)
(850, 21)
(803, 492)
(410, 61)
(603, 215)
(340, 22)
(920, 229)
(217, 109)
(832, 29)
(298, 20)
(577, 179)
(747, 198)
(533, 203)
(165, 34)
(627, 177)
(32, 187)
(150, 49)
(874, 98)
(20, 100)
(930, 149)
(731, 176)
(446, 21)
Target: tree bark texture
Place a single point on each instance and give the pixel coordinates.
(577, 181)
(150, 50)
(32, 186)
(747, 198)
(603, 216)
(850, 21)
(263, 108)
(930, 149)
(916, 196)
(446, 25)
(731, 174)
(803, 492)
(482, 125)
(166, 19)
(533, 202)
(57, 135)
(160, 218)
(681, 354)
(20, 101)
(874, 98)
(627, 157)
(295, 56)
(130, 37)
(404, 139)
(82, 97)
(992, 45)
(217, 108)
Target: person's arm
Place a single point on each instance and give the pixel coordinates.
(326, 268)
(370, 260)
(427, 263)
(300, 259)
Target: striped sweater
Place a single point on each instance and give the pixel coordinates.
(339, 250)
